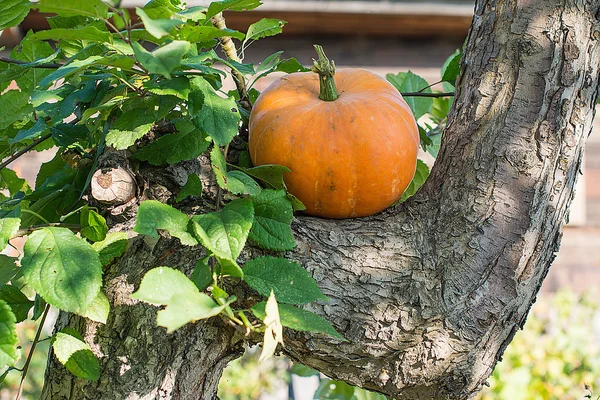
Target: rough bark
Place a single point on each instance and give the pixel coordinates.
(139, 360)
(430, 293)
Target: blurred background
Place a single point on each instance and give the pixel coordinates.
(558, 352)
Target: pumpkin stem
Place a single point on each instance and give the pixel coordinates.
(326, 71)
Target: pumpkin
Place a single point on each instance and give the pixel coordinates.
(348, 137)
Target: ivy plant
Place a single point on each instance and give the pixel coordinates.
(151, 84)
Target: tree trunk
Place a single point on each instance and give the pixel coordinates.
(430, 293)
(139, 360)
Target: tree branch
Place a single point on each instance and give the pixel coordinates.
(31, 351)
(431, 293)
(422, 94)
(229, 48)
(18, 62)
(24, 150)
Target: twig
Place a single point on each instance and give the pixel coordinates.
(428, 86)
(117, 31)
(229, 48)
(420, 94)
(19, 62)
(127, 24)
(30, 355)
(25, 150)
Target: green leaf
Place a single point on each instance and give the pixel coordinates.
(89, 33)
(219, 166)
(35, 131)
(290, 65)
(218, 117)
(239, 182)
(362, 394)
(330, 389)
(58, 187)
(153, 215)
(194, 13)
(200, 34)
(65, 135)
(130, 126)
(235, 5)
(289, 281)
(273, 63)
(9, 180)
(8, 228)
(297, 205)
(98, 310)
(421, 174)
(188, 143)
(13, 12)
(76, 355)
(88, 8)
(18, 302)
(113, 246)
(164, 59)
(270, 63)
(224, 233)
(303, 370)
(434, 138)
(161, 8)
(157, 27)
(441, 107)
(93, 225)
(8, 269)
(69, 69)
(230, 268)
(8, 336)
(193, 187)
(273, 215)
(185, 303)
(64, 269)
(263, 28)
(32, 53)
(409, 82)
(161, 284)
(202, 274)
(15, 107)
(178, 87)
(451, 68)
(300, 320)
(271, 175)
(39, 305)
(244, 69)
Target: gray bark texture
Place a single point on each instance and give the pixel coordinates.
(429, 293)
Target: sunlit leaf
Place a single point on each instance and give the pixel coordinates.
(76, 355)
(64, 269)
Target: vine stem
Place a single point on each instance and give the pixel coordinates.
(30, 355)
(25, 150)
(229, 48)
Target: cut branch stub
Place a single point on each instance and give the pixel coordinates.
(113, 186)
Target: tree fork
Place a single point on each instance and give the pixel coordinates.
(428, 293)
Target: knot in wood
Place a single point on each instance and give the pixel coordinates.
(113, 186)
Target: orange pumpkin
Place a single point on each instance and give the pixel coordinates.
(350, 156)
